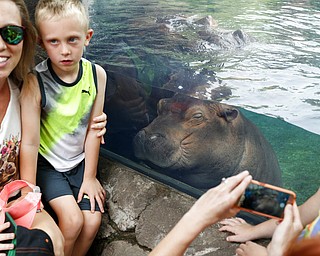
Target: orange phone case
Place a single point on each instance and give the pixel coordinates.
(291, 199)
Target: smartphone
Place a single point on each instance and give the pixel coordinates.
(266, 200)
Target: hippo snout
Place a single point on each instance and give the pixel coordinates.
(144, 143)
(154, 147)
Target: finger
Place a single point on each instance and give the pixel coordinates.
(240, 220)
(233, 221)
(4, 226)
(100, 204)
(102, 140)
(102, 117)
(5, 247)
(235, 238)
(233, 181)
(295, 211)
(239, 251)
(99, 126)
(103, 195)
(6, 236)
(288, 213)
(227, 229)
(101, 132)
(80, 195)
(92, 205)
(239, 189)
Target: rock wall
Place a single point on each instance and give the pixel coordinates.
(141, 211)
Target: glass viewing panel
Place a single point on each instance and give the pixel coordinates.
(187, 79)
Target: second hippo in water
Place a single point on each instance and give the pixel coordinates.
(200, 142)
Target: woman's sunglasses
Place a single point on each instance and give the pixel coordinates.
(12, 34)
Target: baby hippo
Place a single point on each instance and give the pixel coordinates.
(199, 142)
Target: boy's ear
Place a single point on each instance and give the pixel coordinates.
(88, 37)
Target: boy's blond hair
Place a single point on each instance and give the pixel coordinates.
(56, 9)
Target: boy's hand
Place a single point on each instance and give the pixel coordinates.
(93, 189)
(240, 229)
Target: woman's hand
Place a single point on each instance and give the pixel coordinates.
(218, 203)
(5, 237)
(286, 231)
(215, 204)
(100, 123)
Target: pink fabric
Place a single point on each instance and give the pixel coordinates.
(22, 210)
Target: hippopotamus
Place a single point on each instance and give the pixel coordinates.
(199, 142)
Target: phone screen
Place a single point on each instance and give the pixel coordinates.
(265, 200)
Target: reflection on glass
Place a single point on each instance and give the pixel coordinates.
(261, 57)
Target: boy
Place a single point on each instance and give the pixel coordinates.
(70, 92)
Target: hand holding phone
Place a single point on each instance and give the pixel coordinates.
(265, 199)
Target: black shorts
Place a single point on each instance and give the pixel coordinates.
(55, 184)
(28, 242)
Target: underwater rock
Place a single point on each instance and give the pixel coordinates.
(199, 142)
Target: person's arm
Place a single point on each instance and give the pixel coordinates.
(215, 204)
(30, 118)
(309, 210)
(243, 232)
(90, 185)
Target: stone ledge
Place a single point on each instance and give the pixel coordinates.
(141, 211)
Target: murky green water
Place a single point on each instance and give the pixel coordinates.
(275, 76)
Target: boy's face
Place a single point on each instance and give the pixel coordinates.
(64, 40)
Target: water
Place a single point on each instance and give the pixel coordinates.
(276, 74)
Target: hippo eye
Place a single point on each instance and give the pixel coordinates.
(197, 115)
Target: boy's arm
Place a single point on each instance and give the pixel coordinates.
(30, 119)
(243, 232)
(91, 186)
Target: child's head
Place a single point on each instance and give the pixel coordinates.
(25, 64)
(56, 9)
(63, 27)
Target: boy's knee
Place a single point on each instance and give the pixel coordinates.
(72, 222)
(76, 222)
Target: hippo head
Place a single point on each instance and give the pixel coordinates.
(199, 142)
(192, 136)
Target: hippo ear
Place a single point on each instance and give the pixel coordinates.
(229, 113)
(161, 105)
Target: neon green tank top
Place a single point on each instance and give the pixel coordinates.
(65, 114)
